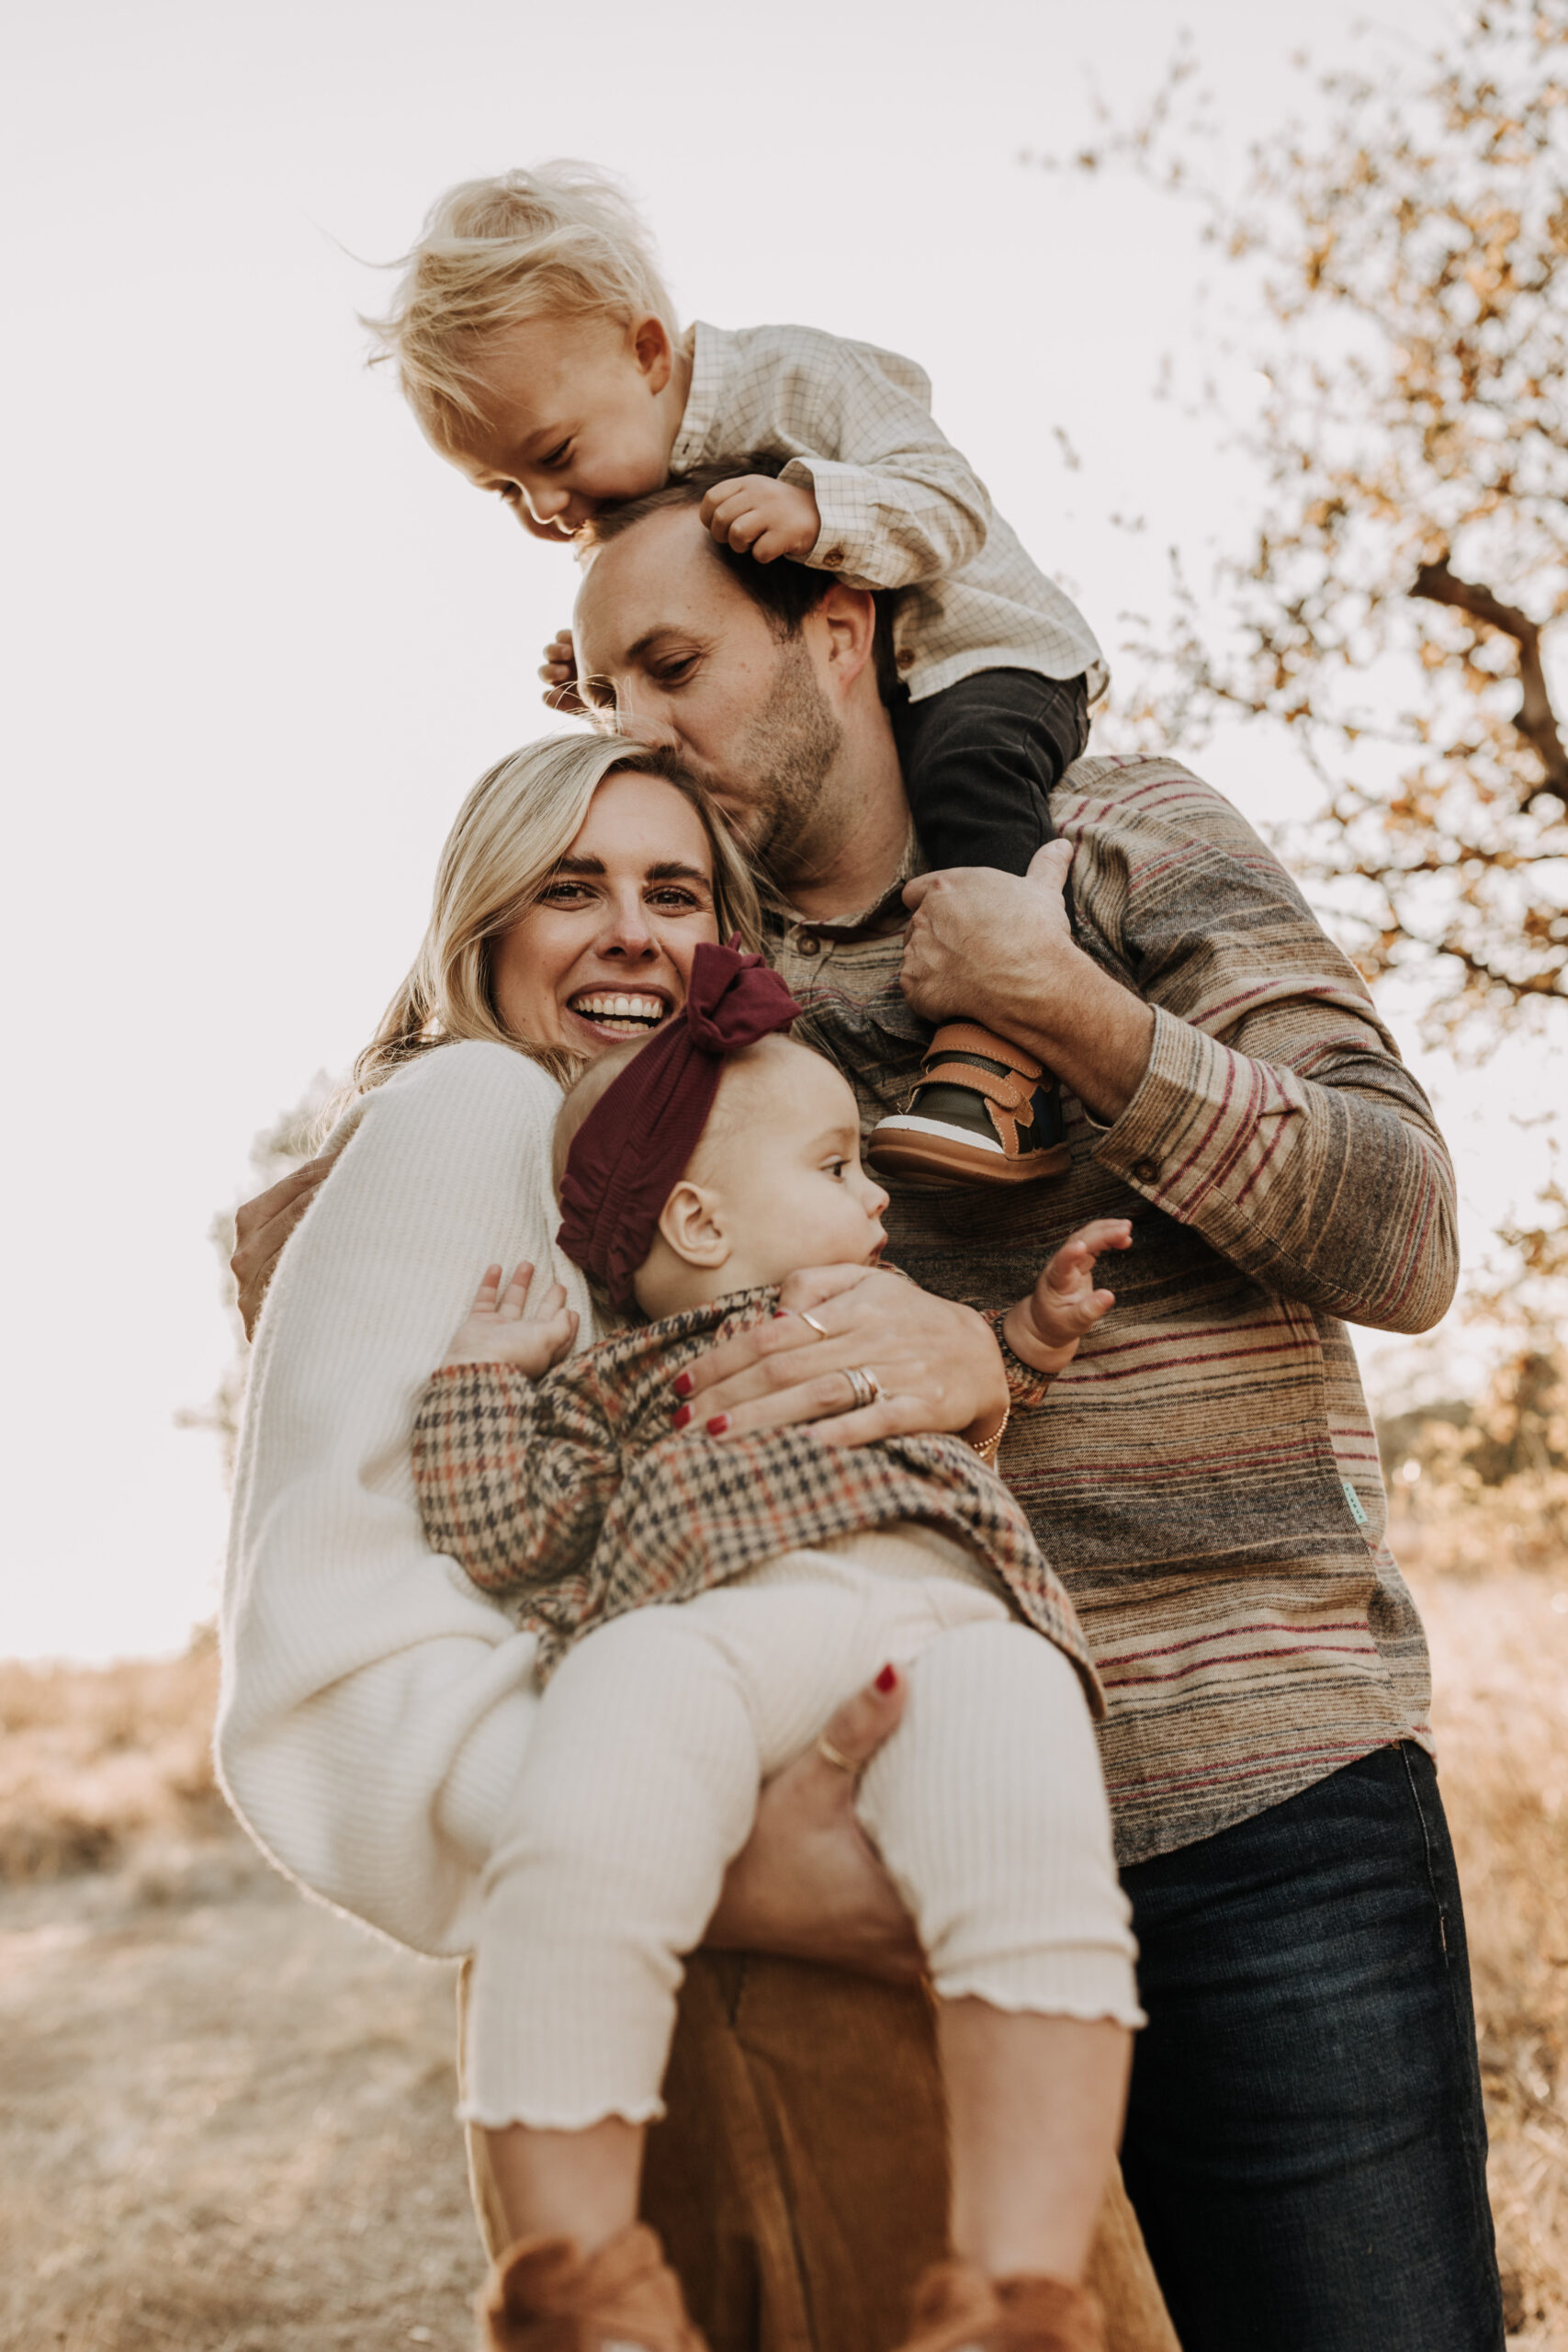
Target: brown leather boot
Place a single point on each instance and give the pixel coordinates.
(544, 2296)
(958, 2309)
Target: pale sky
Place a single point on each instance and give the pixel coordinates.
(262, 641)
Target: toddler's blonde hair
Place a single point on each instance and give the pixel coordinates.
(562, 241)
(511, 833)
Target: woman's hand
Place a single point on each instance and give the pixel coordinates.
(261, 1229)
(936, 1363)
(808, 1883)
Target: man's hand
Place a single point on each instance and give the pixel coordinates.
(980, 934)
(756, 514)
(1045, 1327)
(935, 1361)
(261, 1229)
(808, 1883)
(560, 675)
(999, 948)
(498, 1328)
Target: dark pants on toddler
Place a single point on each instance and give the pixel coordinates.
(979, 760)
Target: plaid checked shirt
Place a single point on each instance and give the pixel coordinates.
(571, 1499)
(900, 507)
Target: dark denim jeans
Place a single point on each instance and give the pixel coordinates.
(1305, 2144)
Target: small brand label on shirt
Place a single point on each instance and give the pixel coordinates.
(1357, 1509)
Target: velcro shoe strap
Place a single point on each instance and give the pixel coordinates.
(1008, 1092)
(965, 1037)
(1005, 1097)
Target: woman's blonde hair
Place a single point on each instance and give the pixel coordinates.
(562, 241)
(512, 833)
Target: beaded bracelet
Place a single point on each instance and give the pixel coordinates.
(986, 1447)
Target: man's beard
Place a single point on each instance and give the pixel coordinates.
(781, 806)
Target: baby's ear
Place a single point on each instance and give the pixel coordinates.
(653, 351)
(690, 1223)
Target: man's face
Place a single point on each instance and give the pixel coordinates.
(676, 650)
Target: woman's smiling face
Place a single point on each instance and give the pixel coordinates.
(604, 953)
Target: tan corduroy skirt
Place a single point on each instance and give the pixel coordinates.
(800, 2176)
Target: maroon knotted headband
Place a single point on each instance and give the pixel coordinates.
(634, 1145)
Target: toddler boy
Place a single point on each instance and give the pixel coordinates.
(542, 355)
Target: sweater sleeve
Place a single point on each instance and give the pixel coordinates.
(375, 1706)
(898, 502)
(514, 1476)
(1275, 1115)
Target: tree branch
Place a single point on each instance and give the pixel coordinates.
(1535, 720)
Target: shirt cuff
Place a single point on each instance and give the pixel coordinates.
(1183, 1114)
(1025, 1386)
(846, 542)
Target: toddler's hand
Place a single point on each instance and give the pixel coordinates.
(1045, 1327)
(497, 1332)
(769, 518)
(560, 675)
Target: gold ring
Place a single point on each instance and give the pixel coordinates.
(864, 1386)
(830, 1755)
(819, 1328)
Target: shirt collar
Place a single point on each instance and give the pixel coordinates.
(708, 350)
(874, 918)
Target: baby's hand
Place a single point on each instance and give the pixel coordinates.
(769, 518)
(496, 1331)
(1045, 1327)
(560, 675)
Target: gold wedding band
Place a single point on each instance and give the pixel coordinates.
(819, 1328)
(864, 1386)
(830, 1755)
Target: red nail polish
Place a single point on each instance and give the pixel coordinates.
(683, 1384)
(779, 1314)
(682, 1415)
(718, 1424)
(887, 1678)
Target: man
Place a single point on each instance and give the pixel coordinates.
(1305, 2144)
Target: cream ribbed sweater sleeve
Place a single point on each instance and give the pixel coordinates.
(375, 1706)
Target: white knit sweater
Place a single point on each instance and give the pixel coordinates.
(375, 1706)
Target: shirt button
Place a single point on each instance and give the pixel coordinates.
(907, 658)
(807, 946)
(834, 557)
(1146, 1170)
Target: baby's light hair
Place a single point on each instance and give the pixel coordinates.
(562, 241)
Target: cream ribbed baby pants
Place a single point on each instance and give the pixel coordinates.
(640, 1784)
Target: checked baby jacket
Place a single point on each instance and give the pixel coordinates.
(571, 1498)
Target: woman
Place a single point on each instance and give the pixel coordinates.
(375, 1708)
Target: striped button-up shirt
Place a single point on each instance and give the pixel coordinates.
(572, 1499)
(1205, 1473)
(900, 507)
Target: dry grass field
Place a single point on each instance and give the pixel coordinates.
(227, 2123)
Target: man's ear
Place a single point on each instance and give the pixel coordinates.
(653, 351)
(690, 1223)
(848, 616)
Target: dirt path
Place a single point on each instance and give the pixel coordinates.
(226, 2121)
(226, 2116)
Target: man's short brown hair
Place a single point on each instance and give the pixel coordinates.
(785, 591)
